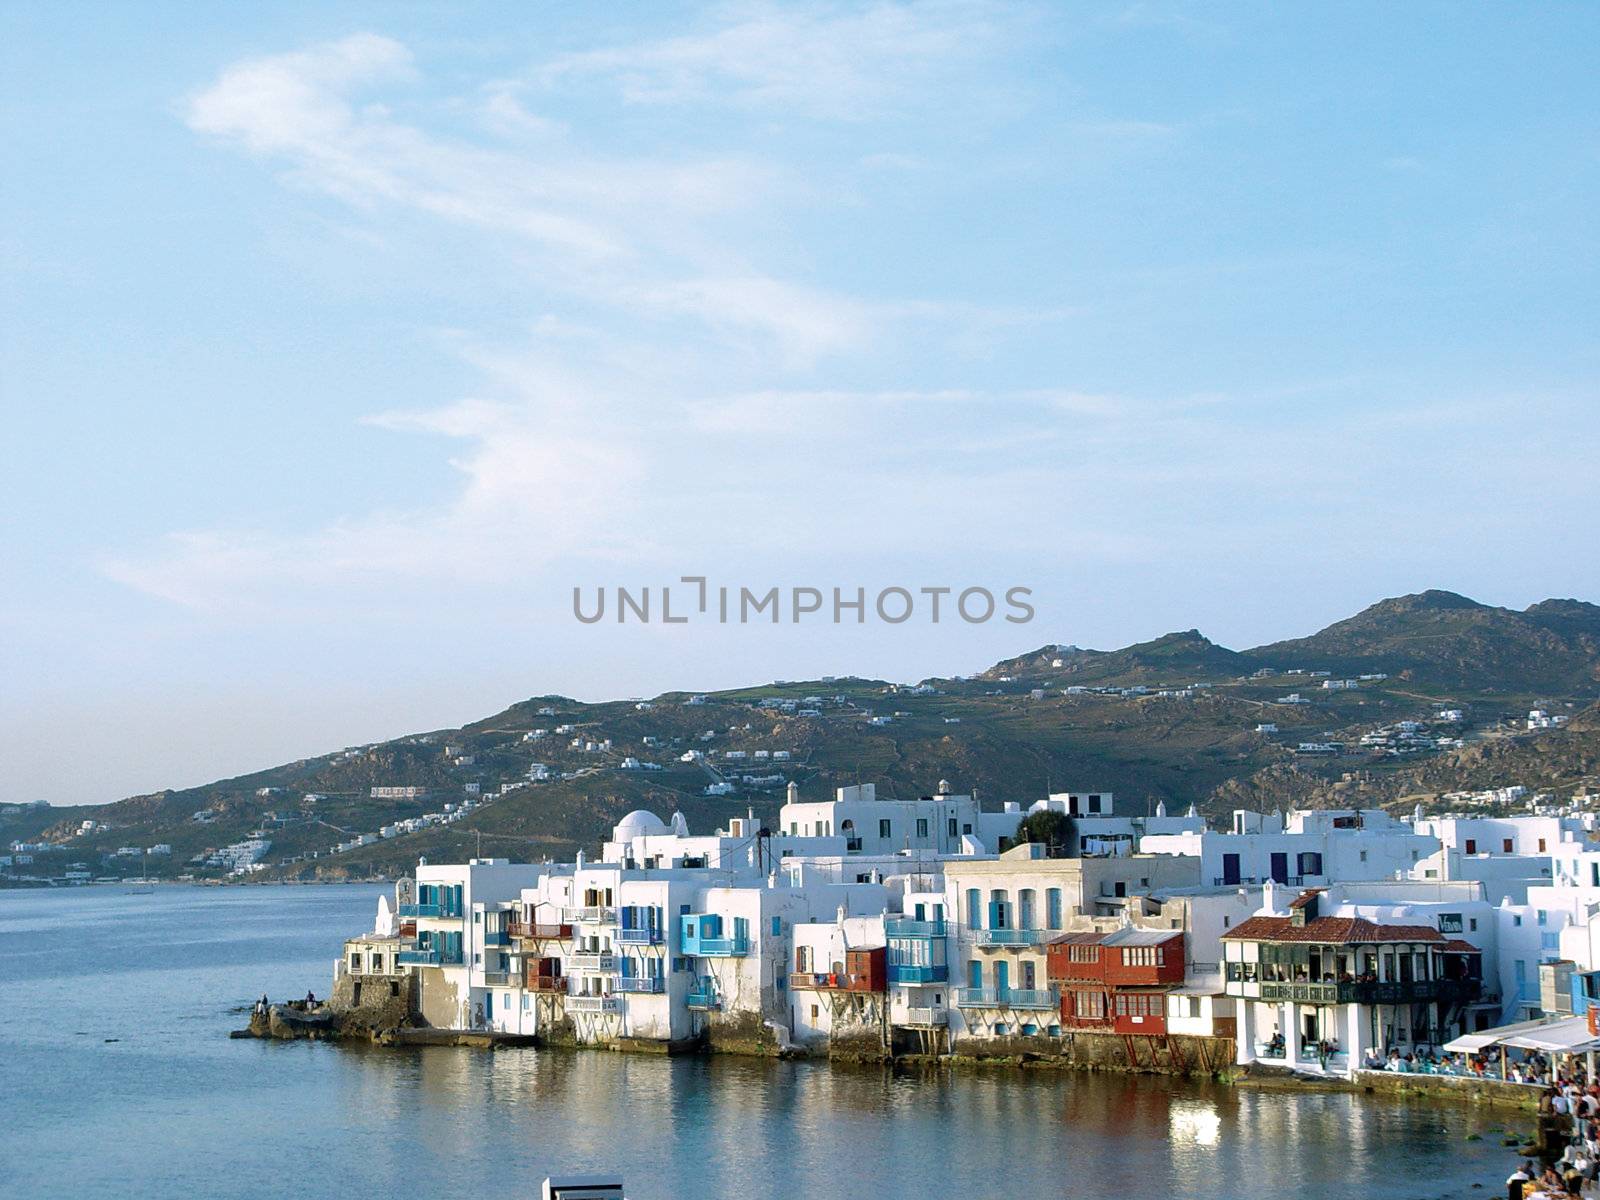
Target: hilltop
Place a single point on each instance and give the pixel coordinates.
(1178, 719)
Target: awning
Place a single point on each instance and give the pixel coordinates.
(1568, 1036)
(1472, 1043)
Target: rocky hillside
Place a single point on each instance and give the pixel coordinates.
(1178, 719)
(1447, 640)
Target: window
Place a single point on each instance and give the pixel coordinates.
(1505, 846)
(922, 827)
(1081, 953)
(1472, 924)
(1541, 915)
(952, 827)
(802, 959)
(1541, 845)
(1091, 1006)
(974, 908)
(355, 962)
(777, 926)
(1516, 920)
(1472, 845)
(1310, 863)
(966, 827)
(885, 828)
(1143, 956)
(1363, 856)
(1052, 908)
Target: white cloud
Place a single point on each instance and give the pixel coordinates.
(831, 62)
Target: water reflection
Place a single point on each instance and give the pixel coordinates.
(242, 1119)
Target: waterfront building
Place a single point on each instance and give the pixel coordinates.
(1008, 908)
(1321, 988)
(1116, 982)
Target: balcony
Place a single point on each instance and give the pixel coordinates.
(419, 910)
(549, 985)
(496, 937)
(703, 999)
(1417, 991)
(1027, 998)
(642, 985)
(996, 939)
(718, 947)
(641, 937)
(497, 978)
(602, 963)
(827, 981)
(427, 956)
(904, 973)
(923, 1018)
(906, 927)
(593, 914)
(529, 931)
(594, 1004)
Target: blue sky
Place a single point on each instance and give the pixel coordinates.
(340, 342)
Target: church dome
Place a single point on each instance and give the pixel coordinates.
(638, 823)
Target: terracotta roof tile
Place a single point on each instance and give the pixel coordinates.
(1335, 931)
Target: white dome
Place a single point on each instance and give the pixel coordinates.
(638, 823)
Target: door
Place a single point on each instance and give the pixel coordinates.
(1280, 868)
(1002, 979)
(1230, 869)
(975, 975)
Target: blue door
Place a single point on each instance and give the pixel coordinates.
(1002, 979)
(975, 975)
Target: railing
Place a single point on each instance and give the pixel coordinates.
(1246, 880)
(1006, 998)
(497, 979)
(496, 937)
(593, 914)
(427, 956)
(641, 937)
(724, 947)
(604, 963)
(702, 998)
(532, 931)
(649, 985)
(546, 984)
(594, 1004)
(1264, 1050)
(907, 927)
(419, 910)
(829, 981)
(1416, 991)
(924, 1018)
(905, 973)
(990, 938)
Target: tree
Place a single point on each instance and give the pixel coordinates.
(1047, 827)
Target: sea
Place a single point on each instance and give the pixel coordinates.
(119, 1080)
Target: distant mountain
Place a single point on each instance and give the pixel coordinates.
(1173, 658)
(1447, 640)
(561, 771)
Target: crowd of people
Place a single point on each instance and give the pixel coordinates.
(1533, 1069)
(1573, 1108)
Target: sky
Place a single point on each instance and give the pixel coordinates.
(341, 342)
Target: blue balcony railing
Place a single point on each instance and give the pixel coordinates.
(906, 973)
(427, 956)
(496, 937)
(702, 998)
(717, 947)
(906, 927)
(641, 937)
(648, 985)
(1011, 937)
(419, 910)
(1006, 998)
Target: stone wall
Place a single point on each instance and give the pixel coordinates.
(1171, 1055)
(374, 1002)
(1457, 1087)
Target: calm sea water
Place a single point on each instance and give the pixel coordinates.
(172, 1108)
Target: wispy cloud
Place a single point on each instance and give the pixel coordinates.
(834, 62)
